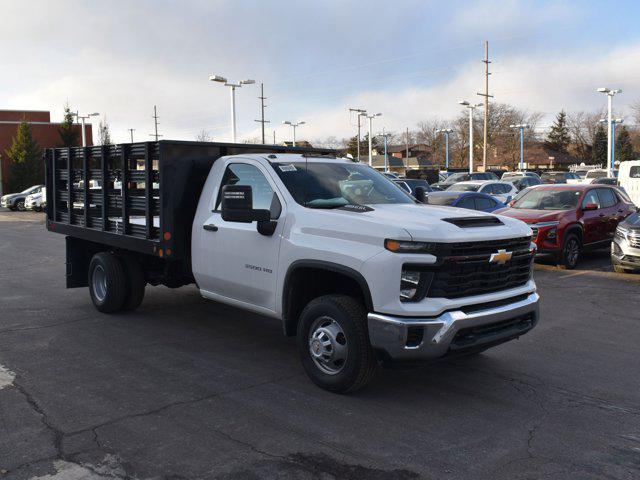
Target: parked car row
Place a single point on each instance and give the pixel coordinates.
(30, 199)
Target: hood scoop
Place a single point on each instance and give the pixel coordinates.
(474, 222)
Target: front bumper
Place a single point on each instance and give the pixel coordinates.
(459, 331)
(625, 255)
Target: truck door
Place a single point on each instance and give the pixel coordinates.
(239, 263)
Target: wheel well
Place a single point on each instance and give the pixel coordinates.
(577, 229)
(306, 282)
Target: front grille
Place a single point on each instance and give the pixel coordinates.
(634, 239)
(467, 271)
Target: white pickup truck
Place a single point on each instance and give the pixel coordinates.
(358, 270)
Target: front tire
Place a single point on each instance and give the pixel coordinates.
(20, 206)
(571, 250)
(107, 282)
(333, 343)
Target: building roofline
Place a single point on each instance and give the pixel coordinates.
(22, 110)
(16, 122)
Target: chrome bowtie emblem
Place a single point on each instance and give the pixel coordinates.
(501, 257)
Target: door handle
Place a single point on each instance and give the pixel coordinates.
(210, 227)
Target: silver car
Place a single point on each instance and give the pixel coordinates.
(625, 248)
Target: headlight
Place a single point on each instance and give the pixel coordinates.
(401, 246)
(622, 232)
(409, 282)
(551, 233)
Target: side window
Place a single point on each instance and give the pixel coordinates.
(245, 174)
(607, 197)
(467, 202)
(484, 203)
(404, 186)
(634, 172)
(591, 197)
(488, 189)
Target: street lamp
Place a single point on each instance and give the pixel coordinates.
(294, 125)
(471, 107)
(370, 117)
(614, 122)
(385, 136)
(82, 118)
(609, 93)
(360, 113)
(233, 86)
(521, 127)
(446, 132)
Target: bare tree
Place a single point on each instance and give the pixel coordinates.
(203, 136)
(582, 128)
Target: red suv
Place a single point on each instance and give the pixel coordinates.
(566, 219)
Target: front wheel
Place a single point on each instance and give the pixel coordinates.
(571, 249)
(20, 206)
(333, 342)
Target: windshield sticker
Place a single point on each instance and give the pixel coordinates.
(287, 168)
(356, 208)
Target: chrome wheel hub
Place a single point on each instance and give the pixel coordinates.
(328, 345)
(99, 283)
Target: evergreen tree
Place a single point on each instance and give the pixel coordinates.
(624, 147)
(68, 134)
(352, 147)
(599, 150)
(103, 130)
(26, 167)
(559, 138)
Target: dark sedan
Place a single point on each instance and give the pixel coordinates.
(469, 200)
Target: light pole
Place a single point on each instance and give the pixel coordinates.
(614, 123)
(294, 125)
(471, 107)
(521, 127)
(446, 132)
(370, 117)
(360, 113)
(82, 118)
(233, 86)
(131, 130)
(609, 93)
(384, 136)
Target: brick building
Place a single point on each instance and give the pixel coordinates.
(44, 131)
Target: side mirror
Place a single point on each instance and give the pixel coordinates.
(590, 206)
(237, 205)
(420, 194)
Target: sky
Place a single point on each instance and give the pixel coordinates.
(410, 60)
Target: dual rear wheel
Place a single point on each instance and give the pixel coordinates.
(115, 282)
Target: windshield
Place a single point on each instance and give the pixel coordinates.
(548, 199)
(464, 187)
(29, 190)
(441, 199)
(596, 174)
(457, 177)
(333, 185)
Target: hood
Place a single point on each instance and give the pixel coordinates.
(12, 196)
(632, 221)
(421, 223)
(532, 216)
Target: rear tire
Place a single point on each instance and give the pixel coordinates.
(571, 250)
(333, 343)
(136, 283)
(107, 282)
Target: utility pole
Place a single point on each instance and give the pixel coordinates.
(131, 130)
(263, 121)
(406, 144)
(486, 96)
(360, 112)
(155, 120)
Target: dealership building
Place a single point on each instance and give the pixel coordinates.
(43, 130)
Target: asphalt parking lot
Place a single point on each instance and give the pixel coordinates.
(187, 388)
